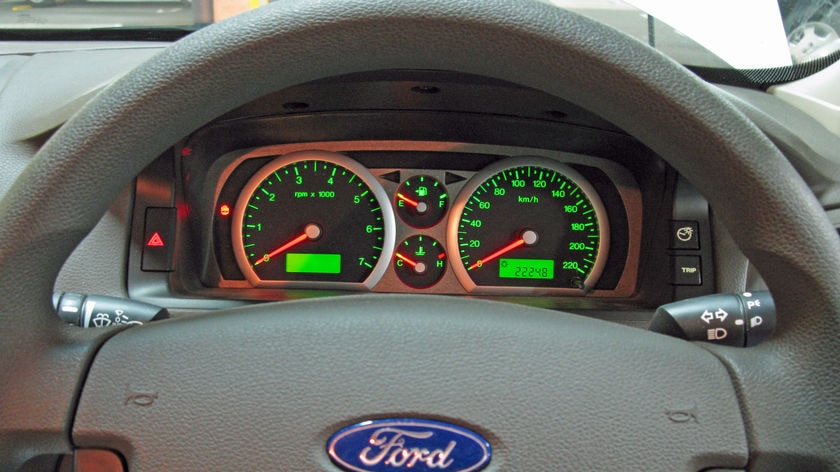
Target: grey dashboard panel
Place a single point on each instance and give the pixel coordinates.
(41, 86)
(8, 65)
(576, 386)
(57, 84)
(810, 147)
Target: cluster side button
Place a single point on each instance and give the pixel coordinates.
(686, 270)
(684, 235)
(159, 240)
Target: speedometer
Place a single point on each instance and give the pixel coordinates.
(313, 219)
(528, 224)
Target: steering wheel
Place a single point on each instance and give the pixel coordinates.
(264, 387)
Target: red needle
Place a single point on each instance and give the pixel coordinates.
(303, 237)
(504, 250)
(407, 200)
(312, 231)
(406, 260)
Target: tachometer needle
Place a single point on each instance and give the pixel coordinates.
(529, 238)
(312, 231)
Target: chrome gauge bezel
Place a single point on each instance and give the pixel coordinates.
(389, 234)
(488, 172)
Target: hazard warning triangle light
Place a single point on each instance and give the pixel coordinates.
(155, 240)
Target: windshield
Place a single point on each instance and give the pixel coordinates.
(739, 34)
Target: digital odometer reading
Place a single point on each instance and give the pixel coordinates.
(312, 217)
(313, 263)
(526, 268)
(528, 223)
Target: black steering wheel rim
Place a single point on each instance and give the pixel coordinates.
(788, 388)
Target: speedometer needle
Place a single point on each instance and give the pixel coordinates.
(529, 238)
(312, 231)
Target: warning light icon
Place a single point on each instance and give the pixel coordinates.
(155, 240)
(224, 210)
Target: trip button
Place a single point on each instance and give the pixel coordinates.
(685, 270)
(684, 235)
(159, 240)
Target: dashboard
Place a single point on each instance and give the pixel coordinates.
(432, 123)
(442, 183)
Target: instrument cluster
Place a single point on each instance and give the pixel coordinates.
(424, 217)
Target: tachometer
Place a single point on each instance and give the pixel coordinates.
(528, 224)
(313, 219)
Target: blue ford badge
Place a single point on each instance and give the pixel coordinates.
(410, 444)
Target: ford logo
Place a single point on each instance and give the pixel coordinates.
(410, 444)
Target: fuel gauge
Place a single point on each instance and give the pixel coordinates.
(419, 261)
(421, 201)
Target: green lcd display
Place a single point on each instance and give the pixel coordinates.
(526, 268)
(313, 263)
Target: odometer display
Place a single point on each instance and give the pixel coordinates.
(526, 268)
(313, 263)
(313, 219)
(528, 223)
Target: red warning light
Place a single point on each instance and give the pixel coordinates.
(224, 210)
(155, 240)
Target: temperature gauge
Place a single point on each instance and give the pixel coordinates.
(421, 201)
(419, 261)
